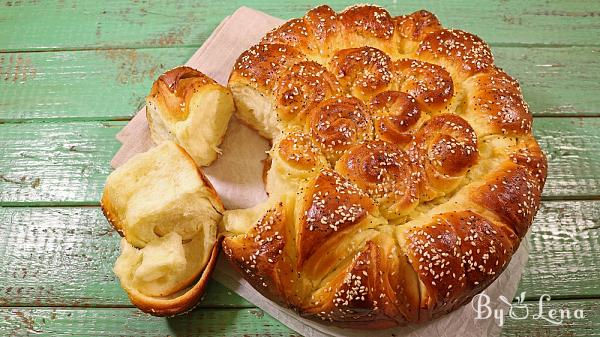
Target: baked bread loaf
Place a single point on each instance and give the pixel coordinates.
(404, 174)
(167, 212)
(191, 109)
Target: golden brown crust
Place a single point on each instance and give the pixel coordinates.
(338, 123)
(182, 303)
(293, 33)
(457, 255)
(302, 87)
(322, 23)
(332, 204)
(363, 71)
(175, 79)
(396, 116)
(496, 97)
(530, 155)
(298, 150)
(174, 88)
(513, 194)
(417, 25)
(462, 52)
(445, 147)
(428, 83)
(435, 142)
(261, 64)
(368, 21)
(261, 256)
(355, 299)
(385, 172)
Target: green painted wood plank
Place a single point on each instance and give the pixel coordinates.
(101, 84)
(68, 162)
(60, 24)
(555, 81)
(564, 259)
(131, 322)
(238, 322)
(64, 256)
(109, 84)
(530, 327)
(56, 161)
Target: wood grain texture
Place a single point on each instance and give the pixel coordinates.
(64, 256)
(73, 71)
(107, 322)
(112, 84)
(531, 327)
(56, 162)
(69, 24)
(104, 84)
(238, 322)
(69, 162)
(564, 259)
(589, 326)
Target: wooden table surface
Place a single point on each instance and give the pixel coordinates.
(73, 72)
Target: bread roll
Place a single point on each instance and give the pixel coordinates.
(168, 213)
(189, 108)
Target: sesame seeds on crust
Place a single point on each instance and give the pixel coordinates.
(400, 108)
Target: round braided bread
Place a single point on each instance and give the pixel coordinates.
(403, 170)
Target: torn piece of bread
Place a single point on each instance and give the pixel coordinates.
(192, 110)
(168, 213)
(157, 192)
(173, 304)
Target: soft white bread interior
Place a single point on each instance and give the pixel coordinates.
(168, 214)
(191, 109)
(158, 192)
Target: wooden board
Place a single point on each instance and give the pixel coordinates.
(76, 24)
(72, 72)
(77, 85)
(238, 322)
(108, 322)
(64, 256)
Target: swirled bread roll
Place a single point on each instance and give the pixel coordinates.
(189, 108)
(404, 173)
(397, 116)
(295, 159)
(168, 213)
(338, 123)
(305, 85)
(444, 148)
(363, 71)
(385, 172)
(430, 84)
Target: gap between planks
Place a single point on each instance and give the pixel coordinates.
(128, 118)
(194, 45)
(528, 300)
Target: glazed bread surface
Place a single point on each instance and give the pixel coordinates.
(191, 109)
(403, 170)
(167, 213)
